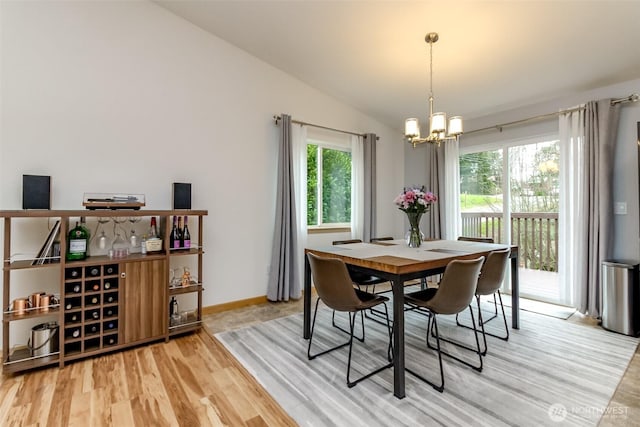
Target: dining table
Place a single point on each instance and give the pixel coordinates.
(394, 261)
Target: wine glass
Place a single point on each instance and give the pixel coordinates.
(133, 238)
(102, 240)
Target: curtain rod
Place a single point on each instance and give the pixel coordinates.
(278, 118)
(631, 98)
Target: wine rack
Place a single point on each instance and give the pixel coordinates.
(91, 308)
(105, 304)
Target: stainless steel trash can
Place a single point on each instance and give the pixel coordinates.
(620, 297)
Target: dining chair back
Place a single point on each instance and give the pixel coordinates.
(457, 287)
(346, 242)
(493, 272)
(333, 284)
(476, 239)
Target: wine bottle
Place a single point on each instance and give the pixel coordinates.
(174, 237)
(173, 306)
(186, 236)
(181, 232)
(153, 230)
(77, 246)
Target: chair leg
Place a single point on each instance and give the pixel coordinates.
(335, 325)
(485, 321)
(352, 317)
(313, 324)
(430, 327)
(504, 317)
(481, 323)
(475, 350)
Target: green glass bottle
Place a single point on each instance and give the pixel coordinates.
(77, 243)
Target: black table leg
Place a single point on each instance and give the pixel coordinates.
(398, 338)
(306, 327)
(515, 294)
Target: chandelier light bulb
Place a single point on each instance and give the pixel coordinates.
(412, 128)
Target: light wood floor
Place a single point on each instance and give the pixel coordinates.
(189, 381)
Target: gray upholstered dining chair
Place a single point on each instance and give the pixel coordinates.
(455, 293)
(491, 277)
(364, 282)
(361, 280)
(333, 285)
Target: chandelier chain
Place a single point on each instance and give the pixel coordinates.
(430, 69)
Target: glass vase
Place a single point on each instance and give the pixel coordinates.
(415, 236)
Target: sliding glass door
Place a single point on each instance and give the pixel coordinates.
(511, 194)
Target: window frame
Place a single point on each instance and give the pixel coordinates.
(321, 144)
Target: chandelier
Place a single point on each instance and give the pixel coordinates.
(438, 129)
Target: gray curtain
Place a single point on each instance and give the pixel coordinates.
(433, 221)
(283, 275)
(601, 128)
(369, 226)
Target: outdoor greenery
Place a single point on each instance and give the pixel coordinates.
(534, 184)
(335, 186)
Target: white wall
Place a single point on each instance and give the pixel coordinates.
(627, 228)
(126, 97)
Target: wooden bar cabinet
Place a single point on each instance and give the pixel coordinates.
(104, 303)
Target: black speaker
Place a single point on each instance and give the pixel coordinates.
(36, 192)
(181, 195)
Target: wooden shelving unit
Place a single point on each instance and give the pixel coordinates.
(105, 304)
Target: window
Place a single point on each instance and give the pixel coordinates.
(512, 195)
(328, 185)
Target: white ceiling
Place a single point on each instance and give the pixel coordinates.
(491, 56)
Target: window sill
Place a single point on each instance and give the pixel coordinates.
(321, 230)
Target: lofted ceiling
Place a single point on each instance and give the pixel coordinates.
(492, 55)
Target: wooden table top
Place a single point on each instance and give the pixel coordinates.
(396, 257)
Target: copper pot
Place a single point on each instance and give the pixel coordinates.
(34, 299)
(20, 305)
(47, 300)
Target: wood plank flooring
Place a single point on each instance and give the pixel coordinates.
(189, 381)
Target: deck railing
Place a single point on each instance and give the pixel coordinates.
(536, 235)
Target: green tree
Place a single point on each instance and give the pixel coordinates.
(312, 184)
(336, 186)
